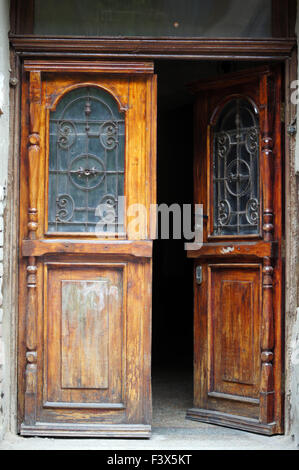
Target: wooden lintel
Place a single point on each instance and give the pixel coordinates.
(150, 48)
(99, 66)
(131, 249)
(254, 250)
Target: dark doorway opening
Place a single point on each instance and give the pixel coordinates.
(172, 272)
(172, 324)
(172, 343)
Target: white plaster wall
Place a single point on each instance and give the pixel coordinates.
(4, 143)
(292, 347)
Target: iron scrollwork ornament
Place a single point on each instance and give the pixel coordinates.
(66, 134)
(223, 144)
(109, 135)
(251, 141)
(236, 169)
(224, 212)
(64, 208)
(252, 211)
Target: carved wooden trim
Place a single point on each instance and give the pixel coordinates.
(267, 346)
(31, 344)
(124, 67)
(267, 163)
(31, 306)
(33, 151)
(267, 331)
(52, 101)
(88, 430)
(126, 248)
(229, 250)
(232, 421)
(133, 48)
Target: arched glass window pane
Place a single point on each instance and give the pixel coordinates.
(86, 162)
(236, 170)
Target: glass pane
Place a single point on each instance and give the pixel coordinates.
(236, 170)
(86, 162)
(214, 18)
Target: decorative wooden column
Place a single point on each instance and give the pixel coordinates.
(31, 311)
(267, 332)
(267, 163)
(267, 346)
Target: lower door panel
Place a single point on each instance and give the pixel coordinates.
(93, 357)
(229, 369)
(234, 316)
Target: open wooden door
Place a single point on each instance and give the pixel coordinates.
(238, 271)
(88, 138)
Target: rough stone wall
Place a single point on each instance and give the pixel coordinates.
(4, 143)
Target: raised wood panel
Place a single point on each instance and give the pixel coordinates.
(236, 319)
(85, 331)
(234, 335)
(122, 409)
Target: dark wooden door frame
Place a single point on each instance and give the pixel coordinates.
(24, 44)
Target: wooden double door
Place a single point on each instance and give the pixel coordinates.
(88, 163)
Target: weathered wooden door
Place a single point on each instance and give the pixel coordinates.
(88, 139)
(238, 271)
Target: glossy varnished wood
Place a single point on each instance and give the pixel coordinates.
(143, 47)
(126, 248)
(228, 250)
(238, 309)
(84, 365)
(118, 67)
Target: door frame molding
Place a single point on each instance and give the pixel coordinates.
(24, 45)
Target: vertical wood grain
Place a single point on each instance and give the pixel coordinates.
(84, 334)
(267, 336)
(259, 360)
(266, 160)
(31, 309)
(267, 346)
(85, 364)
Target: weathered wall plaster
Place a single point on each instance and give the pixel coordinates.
(4, 144)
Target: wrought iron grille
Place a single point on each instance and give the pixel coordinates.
(86, 162)
(236, 170)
